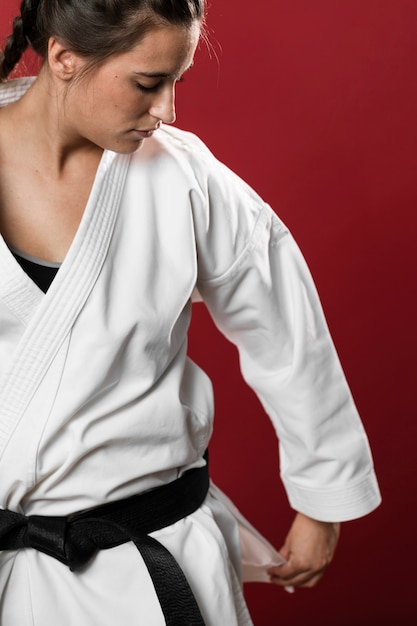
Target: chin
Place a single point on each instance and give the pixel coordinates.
(127, 147)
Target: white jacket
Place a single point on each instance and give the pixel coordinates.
(99, 401)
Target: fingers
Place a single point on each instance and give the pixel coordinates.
(308, 550)
(295, 574)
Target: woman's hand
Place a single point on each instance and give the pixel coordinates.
(308, 550)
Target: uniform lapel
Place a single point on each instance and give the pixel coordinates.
(17, 291)
(48, 318)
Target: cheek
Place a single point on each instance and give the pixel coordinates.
(123, 103)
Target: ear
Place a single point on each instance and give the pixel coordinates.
(64, 63)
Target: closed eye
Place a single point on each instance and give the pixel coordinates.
(155, 88)
(144, 89)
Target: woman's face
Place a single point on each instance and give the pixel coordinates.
(122, 102)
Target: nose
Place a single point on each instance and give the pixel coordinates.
(163, 105)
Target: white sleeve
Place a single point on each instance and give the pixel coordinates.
(259, 291)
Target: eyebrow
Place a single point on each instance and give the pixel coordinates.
(162, 74)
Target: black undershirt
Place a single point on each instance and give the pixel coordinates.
(41, 274)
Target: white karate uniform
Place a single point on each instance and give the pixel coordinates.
(98, 400)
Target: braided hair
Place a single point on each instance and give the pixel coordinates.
(22, 32)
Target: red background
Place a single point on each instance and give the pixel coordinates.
(313, 103)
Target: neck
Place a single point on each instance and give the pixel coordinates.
(39, 120)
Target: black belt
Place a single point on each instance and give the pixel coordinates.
(74, 539)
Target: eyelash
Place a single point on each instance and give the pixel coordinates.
(155, 88)
(148, 89)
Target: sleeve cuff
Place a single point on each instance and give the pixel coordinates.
(339, 504)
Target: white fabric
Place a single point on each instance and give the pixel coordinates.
(99, 400)
(257, 555)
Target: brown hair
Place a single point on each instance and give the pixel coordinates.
(93, 29)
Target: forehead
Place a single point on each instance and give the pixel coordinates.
(165, 49)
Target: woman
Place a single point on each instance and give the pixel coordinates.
(110, 222)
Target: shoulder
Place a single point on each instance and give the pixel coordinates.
(187, 149)
(11, 123)
(172, 151)
(213, 177)
(184, 141)
(12, 90)
(212, 186)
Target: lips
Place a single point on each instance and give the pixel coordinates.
(146, 133)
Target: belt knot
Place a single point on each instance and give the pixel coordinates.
(59, 537)
(47, 534)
